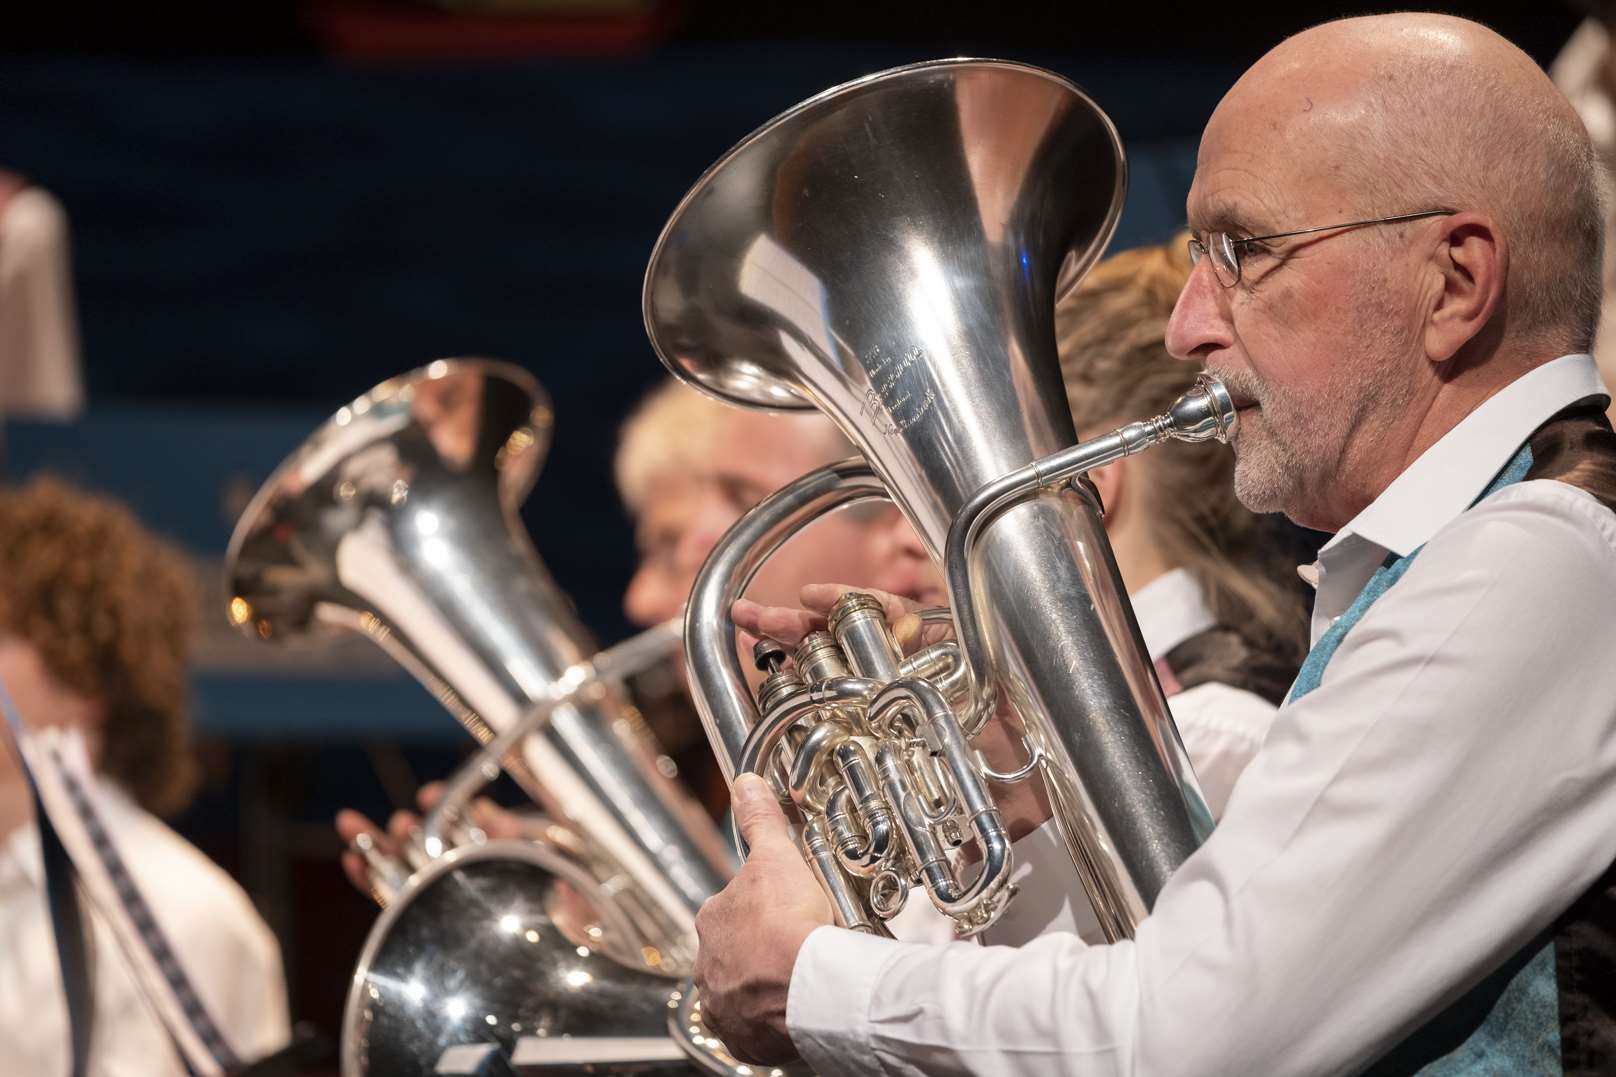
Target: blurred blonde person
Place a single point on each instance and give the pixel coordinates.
(689, 467)
(1218, 602)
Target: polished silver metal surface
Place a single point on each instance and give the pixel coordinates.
(889, 252)
(398, 519)
(592, 682)
(497, 959)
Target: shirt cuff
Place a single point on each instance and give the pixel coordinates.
(828, 1002)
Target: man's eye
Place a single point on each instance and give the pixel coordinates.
(661, 557)
(656, 542)
(740, 493)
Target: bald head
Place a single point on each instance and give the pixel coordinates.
(1350, 350)
(1401, 113)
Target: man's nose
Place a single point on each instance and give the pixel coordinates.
(1200, 321)
(905, 539)
(649, 599)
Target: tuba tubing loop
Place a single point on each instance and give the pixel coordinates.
(726, 707)
(733, 727)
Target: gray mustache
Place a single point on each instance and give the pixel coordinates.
(1242, 384)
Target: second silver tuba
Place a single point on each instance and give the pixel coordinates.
(397, 520)
(889, 252)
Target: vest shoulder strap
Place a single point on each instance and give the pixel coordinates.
(1577, 447)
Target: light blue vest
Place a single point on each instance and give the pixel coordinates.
(1509, 1024)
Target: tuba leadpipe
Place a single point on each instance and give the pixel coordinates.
(889, 252)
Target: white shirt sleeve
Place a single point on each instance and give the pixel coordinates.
(1445, 794)
(223, 943)
(227, 949)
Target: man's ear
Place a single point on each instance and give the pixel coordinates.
(1469, 265)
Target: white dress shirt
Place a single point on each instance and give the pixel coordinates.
(1222, 727)
(224, 945)
(1447, 791)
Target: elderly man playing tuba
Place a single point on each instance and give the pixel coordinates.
(1397, 228)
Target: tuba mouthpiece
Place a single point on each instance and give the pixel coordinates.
(1206, 411)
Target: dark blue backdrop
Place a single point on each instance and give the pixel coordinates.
(258, 233)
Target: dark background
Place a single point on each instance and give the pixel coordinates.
(276, 205)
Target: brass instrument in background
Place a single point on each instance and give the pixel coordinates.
(889, 252)
(397, 519)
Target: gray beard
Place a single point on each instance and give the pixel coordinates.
(1299, 454)
(1292, 456)
(1288, 466)
(1268, 471)
(1268, 476)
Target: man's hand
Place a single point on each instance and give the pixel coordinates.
(494, 821)
(789, 625)
(351, 824)
(750, 932)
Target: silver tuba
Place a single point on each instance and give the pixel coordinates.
(888, 251)
(397, 520)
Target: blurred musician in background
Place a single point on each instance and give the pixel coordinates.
(1220, 608)
(690, 466)
(1398, 229)
(95, 623)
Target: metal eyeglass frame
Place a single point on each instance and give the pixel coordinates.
(1233, 250)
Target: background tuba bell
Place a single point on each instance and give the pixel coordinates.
(397, 519)
(888, 251)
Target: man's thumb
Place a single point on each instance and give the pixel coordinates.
(757, 812)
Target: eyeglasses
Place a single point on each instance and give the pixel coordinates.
(1227, 251)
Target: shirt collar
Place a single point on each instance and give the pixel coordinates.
(1170, 610)
(1447, 478)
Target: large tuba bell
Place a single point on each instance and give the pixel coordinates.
(397, 520)
(889, 252)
